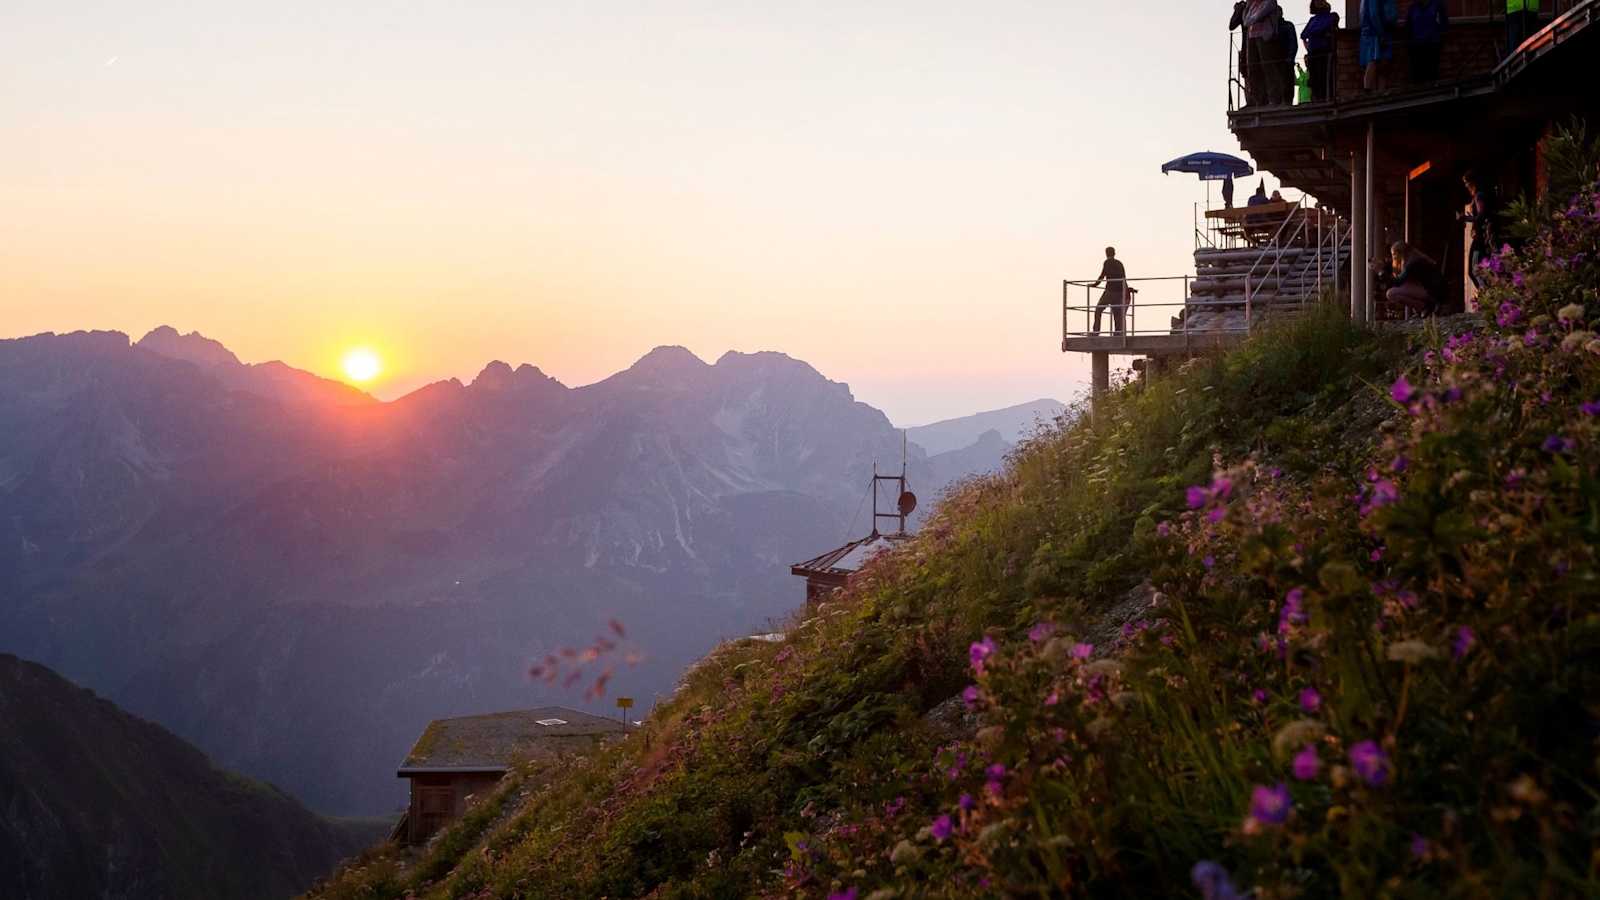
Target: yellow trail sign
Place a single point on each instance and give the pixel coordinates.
(624, 702)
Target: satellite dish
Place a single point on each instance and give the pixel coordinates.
(908, 503)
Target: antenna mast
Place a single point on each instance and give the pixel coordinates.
(905, 501)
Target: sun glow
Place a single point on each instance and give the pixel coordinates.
(361, 365)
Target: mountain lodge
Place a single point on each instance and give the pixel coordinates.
(456, 759)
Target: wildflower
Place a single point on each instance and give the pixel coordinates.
(1508, 314)
(1041, 632)
(1590, 408)
(1163, 529)
(995, 779)
(967, 803)
(1380, 493)
(1293, 612)
(846, 894)
(893, 807)
(980, 651)
(1555, 443)
(1402, 391)
(1463, 642)
(1197, 496)
(1213, 882)
(1082, 651)
(942, 828)
(1209, 561)
(1052, 698)
(970, 696)
(1451, 395)
(1419, 846)
(1270, 805)
(1306, 763)
(1410, 652)
(1259, 696)
(1376, 555)
(1370, 762)
(1310, 700)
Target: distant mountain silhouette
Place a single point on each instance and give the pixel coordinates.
(1012, 424)
(97, 803)
(297, 578)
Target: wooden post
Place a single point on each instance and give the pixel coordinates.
(1374, 235)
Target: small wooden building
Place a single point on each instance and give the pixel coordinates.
(833, 570)
(455, 759)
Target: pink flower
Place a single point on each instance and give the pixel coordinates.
(1370, 762)
(1082, 651)
(1401, 390)
(1306, 763)
(1270, 805)
(1041, 632)
(979, 652)
(942, 828)
(970, 696)
(1310, 700)
(1163, 529)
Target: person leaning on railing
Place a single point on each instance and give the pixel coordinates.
(1115, 277)
(1318, 37)
(1261, 18)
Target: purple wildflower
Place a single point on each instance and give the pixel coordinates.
(995, 779)
(1590, 408)
(1555, 443)
(1163, 529)
(967, 803)
(1419, 846)
(893, 807)
(1462, 645)
(1209, 561)
(970, 696)
(1370, 762)
(942, 828)
(1270, 805)
(1310, 700)
(1197, 496)
(1258, 695)
(1082, 651)
(1041, 632)
(1402, 391)
(980, 651)
(1294, 611)
(1213, 882)
(1508, 315)
(1306, 763)
(846, 894)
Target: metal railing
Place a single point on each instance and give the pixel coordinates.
(1181, 323)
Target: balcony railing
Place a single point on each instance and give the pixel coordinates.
(1474, 45)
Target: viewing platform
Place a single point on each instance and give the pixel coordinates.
(1252, 265)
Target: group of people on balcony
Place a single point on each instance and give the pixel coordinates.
(1271, 45)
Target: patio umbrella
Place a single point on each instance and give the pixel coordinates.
(1209, 166)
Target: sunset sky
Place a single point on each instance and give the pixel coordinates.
(890, 191)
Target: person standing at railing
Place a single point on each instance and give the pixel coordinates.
(1289, 46)
(1115, 277)
(1426, 23)
(1318, 37)
(1261, 18)
(1522, 19)
(1247, 67)
(1227, 192)
(1378, 19)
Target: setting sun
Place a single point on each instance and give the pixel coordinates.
(362, 364)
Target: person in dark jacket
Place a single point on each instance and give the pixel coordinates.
(1419, 284)
(1426, 23)
(1247, 74)
(1480, 214)
(1115, 278)
(1318, 37)
(1289, 46)
(1227, 192)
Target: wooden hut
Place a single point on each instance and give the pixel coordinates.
(456, 759)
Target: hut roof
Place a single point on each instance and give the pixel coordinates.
(491, 743)
(847, 559)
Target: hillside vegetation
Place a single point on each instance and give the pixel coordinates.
(1313, 619)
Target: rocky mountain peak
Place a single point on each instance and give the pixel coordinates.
(192, 347)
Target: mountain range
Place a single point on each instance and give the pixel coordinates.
(297, 577)
(97, 803)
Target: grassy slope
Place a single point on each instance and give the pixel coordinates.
(1425, 569)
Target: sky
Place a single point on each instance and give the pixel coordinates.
(892, 192)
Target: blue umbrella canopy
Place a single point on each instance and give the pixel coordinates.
(1210, 166)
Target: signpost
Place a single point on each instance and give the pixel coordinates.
(623, 704)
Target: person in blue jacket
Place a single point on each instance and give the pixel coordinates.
(1426, 23)
(1378, 19)
(1289, 42)
(1318, 37)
